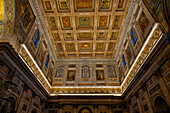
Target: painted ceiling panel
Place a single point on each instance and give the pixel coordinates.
(84, 28)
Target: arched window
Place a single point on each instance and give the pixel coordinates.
(85, 72)
(36, 38)
(60, 71)
(134, 36)
(112, 72)
(47, 61)
(123, 61)
(161, 105)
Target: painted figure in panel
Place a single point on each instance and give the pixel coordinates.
(100, 74)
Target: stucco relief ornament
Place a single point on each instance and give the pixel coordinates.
(156, 33)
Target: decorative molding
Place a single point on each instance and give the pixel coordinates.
(37, 9)
(128, 19)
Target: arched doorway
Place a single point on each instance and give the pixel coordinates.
(34, 111)
(85, 110)
(161, 106)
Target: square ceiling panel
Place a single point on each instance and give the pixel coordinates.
(70, 47)
(103, 22)
(105, 5)
(59, 47)
(56, 37)
(68, 36)
(85, 47)
(66, 22)
(117, 21)
(114, 35)
(52, 22)
(48, 6)
(100, 46)
(84, 5)
(101, 35)
(84, 28)
(84, 22)
(63, 5)
(85, 36)
(111, 46)
(121, 5)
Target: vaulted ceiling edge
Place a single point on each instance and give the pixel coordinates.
(37, 9)
(128, 18)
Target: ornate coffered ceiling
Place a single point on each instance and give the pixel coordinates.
(84, 28)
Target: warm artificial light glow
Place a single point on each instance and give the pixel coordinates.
(86, 94)
(85, 86)
(23, 45)
(145, 43)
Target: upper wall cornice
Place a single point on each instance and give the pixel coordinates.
(42, 23)
(126, 25)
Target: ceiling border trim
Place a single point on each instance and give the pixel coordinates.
(128, 19)
(42, 23)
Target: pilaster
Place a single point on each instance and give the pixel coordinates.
(106, 75)
(163, 86)
(147, 98)
(60, 108)
(78, 73)
(95, 108)
(110, 108)
(75, 108)
(65, 75)
(139, 104)
(94, 75)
